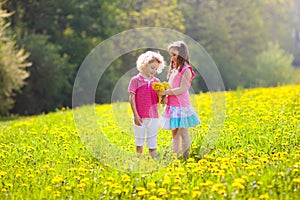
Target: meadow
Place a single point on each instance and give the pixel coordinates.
(254, 152)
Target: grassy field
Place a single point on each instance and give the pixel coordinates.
(75, 154)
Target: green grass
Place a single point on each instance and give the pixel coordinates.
(247, 147)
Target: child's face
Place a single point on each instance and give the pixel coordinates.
(150, 69)
(174, 54)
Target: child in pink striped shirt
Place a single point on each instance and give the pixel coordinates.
(144, 101)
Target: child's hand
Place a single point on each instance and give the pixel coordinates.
(137, 120)
(161, 93)
(164, 100)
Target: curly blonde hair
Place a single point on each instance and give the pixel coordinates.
(149, 57)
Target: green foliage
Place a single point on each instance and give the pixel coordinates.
(12, 65)
(273, 67)
(234, 33)
(223, 28)
(155, 13)
(48, 86)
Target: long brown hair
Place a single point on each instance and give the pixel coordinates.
(182, 57)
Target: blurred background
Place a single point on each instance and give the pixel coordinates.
(254, 43)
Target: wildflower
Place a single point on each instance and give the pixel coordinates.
(238, 185)
(57, 193)
(107, 183)
(264, 160)
(151, 185)
(259, 183)
(184, 192)
(18, 175)
(166, 181)
(252, 174)
(118, 191)
(162, 191)
(68, 188)
(2, 173)
(142, 193)
(126, 178)
(281, 174)
(196, 194)
(48, 188)
(176, 187)
(296, 180)
(264, 196)
(157, 86)
(140, 188)
(222, 192)
(10, 185)
(207, 183)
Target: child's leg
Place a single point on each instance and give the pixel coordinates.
(186, 141)
(176, 142)
(139, 138)
(152, 152)
(139, 149)
(151, 139)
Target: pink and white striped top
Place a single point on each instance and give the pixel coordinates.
(146, 99)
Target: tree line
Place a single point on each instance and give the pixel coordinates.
(254, 43)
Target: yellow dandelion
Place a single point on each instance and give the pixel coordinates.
(259, 182)
(196, 194)
(118, 191)
(153, 198)
(162, 191)
(157, 86)
(166, 181)
(18, 175)
(68, 188)
(184, 192)
(176, 187)
(238, 185)
(222, 192)
(126, 178)
(2, 173)
(281, 174)
(140, 188)
(264, 196)
(252, 174)
(166, 85)
(151, 185)
(143, 193)
(296, 180)
(57, 193)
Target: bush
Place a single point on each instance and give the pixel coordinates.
(12, 66)
(273, 67)
(48, 86)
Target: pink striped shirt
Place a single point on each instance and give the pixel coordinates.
(146, 99)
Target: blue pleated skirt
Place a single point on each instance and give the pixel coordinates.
(179, 117)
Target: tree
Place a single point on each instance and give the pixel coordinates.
(48, 86)
(232, 32)
(12, 65)
(137, 14)
(273, 67)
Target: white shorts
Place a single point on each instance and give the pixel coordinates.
(147, 131)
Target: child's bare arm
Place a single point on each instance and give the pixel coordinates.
(184, 85)
(137, 119)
